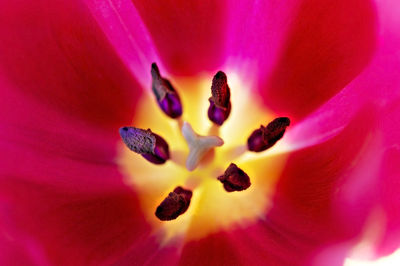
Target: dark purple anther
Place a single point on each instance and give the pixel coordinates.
(266, 137)
(174, 205)
(167, 98)
(220, 105)
(234, 179)
(150, 145)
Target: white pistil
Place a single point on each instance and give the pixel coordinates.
(198, 145)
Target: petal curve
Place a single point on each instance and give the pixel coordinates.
(57, 55)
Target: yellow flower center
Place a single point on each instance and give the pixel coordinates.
(212, 208)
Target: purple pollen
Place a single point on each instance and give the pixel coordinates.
(234, 179)
(220, 105)
(266, 137)
(166, 96)
(150, 145)
(174, 205)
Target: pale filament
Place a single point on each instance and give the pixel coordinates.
(198, 145)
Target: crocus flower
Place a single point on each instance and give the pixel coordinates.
(72, 73)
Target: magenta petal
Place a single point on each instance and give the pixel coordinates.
(214, 250)
(55, 53)
(311, 177)
(14, 252)
(379, 83)
(124, 28)
(303, 217)
(75, 228)
(389, 197)
(149, 252)
(62, 187)
(188, 35)
(386, 188)
(304, 53)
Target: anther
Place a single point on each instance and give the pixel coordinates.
(150, 145)
(220, 105)
(234, 179)
(166, 96)
(198, 145)
(266, 137)
(174, 205)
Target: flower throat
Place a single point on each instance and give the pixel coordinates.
(155, 149)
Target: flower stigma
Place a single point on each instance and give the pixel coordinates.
(228, 184)
(198, 145)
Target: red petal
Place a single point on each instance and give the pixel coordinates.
(54, 53)
(389, 197)
(62, 186)
(312, 177)
(15, 253)
(305, 53)
(188, 35)
(304, 217)
(149, 252)
(75, 228)
(378, 83)
(387, 186)
(123, 26)
(214, 250)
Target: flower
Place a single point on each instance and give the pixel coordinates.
(73, 72)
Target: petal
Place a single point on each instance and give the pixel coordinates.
(379, 83)
(303, 53)
(53, 52)
(313, 177)
(75, 228)
(387, 187)
(62, 187)
(124, 28)
(149, 252)
(304, 218)
(15, 253)
(214, 250)
(188, 35)
(389, 199)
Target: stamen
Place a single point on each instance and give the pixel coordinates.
(234, 179)
(174, 205)
(150, 145)
(266, 137)
(167, 98)
(198, 145)
(220, 105)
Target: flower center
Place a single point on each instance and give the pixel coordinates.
(199, 163)
(199, 146)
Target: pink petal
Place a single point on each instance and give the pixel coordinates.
(303, 53)
(389, 198)
(62, 187)
(386, 188)
(54, 52)
(312, 178)
(303, 217)
(188, 35)
(378, 83)
(214, 250)
(149, 252)
(75, 228)
(15, 253)
(126, 31)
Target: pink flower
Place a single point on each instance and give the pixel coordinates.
(73, 72)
